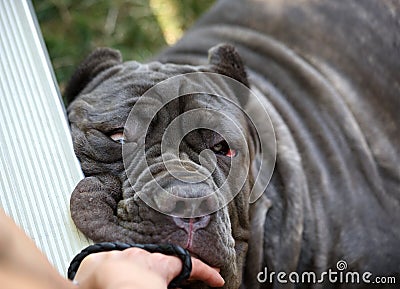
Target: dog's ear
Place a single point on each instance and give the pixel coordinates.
(98, 61)
(225, 60)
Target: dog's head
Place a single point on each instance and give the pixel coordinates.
(158, 156)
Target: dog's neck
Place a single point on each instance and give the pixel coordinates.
(323, 134)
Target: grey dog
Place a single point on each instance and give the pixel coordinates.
(329, 75)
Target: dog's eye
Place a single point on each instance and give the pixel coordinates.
(118, 136)
(222, 148)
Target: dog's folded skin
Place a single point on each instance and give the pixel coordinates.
(328, 74)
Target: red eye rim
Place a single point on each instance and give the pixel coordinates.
(231, 153)
(222, 148)
(117, 135)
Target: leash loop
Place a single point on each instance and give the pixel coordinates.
(167, 249)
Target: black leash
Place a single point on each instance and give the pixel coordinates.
(167, 249)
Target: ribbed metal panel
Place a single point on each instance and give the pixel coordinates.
(38, 169)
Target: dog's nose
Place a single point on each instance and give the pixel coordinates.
(192, 224)
(186, 202)
(187, 207)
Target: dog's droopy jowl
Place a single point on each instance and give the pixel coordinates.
(284, 154)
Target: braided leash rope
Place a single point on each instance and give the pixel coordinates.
(167, 249)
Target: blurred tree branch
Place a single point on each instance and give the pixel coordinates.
(138, 28)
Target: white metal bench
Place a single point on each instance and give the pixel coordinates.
(38, 168)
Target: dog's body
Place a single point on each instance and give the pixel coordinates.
(329, 74)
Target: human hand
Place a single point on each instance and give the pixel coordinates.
(136, 268)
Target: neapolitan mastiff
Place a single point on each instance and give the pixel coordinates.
(328, 73)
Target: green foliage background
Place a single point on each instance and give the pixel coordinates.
(73, 28)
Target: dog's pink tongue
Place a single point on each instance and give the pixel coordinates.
(191, 225)
(190, 232)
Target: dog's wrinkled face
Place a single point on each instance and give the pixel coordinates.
(107, 206)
